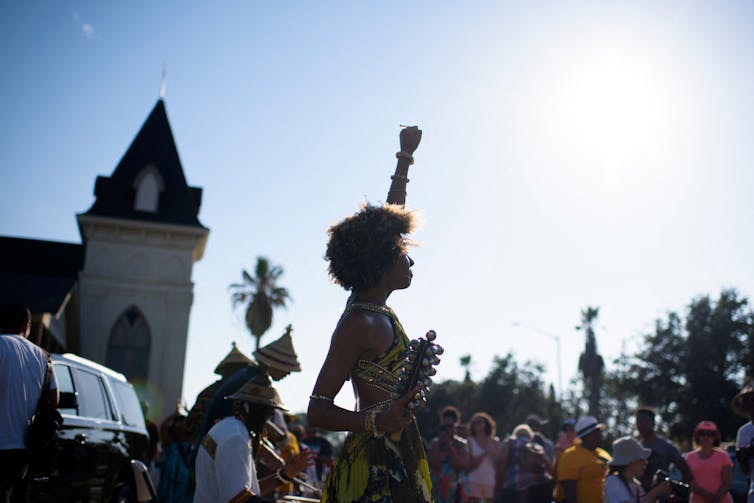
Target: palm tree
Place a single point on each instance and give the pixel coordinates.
(466, 364)
(591, 364)
(259, 294)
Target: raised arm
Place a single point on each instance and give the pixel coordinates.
(410, 138)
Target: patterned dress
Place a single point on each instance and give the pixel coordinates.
(376, 469)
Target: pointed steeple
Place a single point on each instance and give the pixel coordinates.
(149, 184)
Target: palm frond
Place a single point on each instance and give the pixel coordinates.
(247, 277)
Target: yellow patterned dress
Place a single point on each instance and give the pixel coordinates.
(376, 469)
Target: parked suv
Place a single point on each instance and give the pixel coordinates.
(102, 436)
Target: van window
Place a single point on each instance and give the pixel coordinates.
(65, 384)
(128, 404)
(93, 401)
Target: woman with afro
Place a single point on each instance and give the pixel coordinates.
(368, 255)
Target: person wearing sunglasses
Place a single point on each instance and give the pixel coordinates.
(711, 467)
(743, 405)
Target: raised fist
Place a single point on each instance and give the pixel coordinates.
(410, 137)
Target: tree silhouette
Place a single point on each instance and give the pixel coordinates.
(465, 362)
(259, 294)
(591, 364)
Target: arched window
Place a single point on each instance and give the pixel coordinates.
(148, 184)
(128, 347)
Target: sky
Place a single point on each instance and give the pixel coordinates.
(574, 154)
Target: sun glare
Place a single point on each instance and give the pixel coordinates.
(616, 105)
(613, 106)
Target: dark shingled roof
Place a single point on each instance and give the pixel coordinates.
(154, 144)
(38, 273)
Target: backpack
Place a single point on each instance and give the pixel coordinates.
(531, 457)
(46, 420)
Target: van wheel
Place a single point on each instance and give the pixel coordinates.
(124, 493)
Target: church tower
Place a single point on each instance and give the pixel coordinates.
(142, 236)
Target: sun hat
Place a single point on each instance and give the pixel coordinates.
(586, 425)
(737, 402)
(626, 450)
(253, 392)
(234, 358)
(280, 353)
(523, 430)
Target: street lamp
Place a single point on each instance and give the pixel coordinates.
(552, 337)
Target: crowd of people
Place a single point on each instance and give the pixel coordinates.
(470, 463)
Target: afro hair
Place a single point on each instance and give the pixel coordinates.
(366, 245)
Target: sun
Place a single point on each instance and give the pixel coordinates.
(614, 105)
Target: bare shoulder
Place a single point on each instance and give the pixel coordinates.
(357, 327)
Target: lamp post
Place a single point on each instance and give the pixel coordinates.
(552, 337)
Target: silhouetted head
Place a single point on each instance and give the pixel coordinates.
(15, 319)
(369, 245)
(450, 416)
(645, 421)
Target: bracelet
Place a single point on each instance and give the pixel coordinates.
(368, 425)
(405, 155)
(373, 422)
(400, 177)
(282, 477)
(321, 397)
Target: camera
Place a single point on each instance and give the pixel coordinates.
(744, 454)
(678, 488)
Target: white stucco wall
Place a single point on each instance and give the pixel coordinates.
(148, 266)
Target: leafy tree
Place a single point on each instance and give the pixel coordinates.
(689, 370)
(509, 393)
(619, 398)
(259, 294)
(591, 364)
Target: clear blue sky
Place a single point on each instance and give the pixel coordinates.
(574, 154)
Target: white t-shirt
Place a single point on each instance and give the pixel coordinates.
(484, 473)
(744, 438)
(616, 491)
(232, 470)
(22, 372)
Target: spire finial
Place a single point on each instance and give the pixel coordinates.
(163, 82)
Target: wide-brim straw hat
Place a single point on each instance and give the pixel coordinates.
(523, 431)
(737, 402)
(626, 450)
(256, 393)
(234, 358)
(279, 354)
(586, 425)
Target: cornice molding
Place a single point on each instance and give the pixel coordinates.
(139, 232)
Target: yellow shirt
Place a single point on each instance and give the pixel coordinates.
(587, 468)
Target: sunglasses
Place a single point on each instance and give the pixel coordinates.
(706, 433)
(747, 398)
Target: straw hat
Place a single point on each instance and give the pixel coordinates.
(280, 353)
(255, 393)
(737, 402)
(234, 358)
(626, 450)
(523, 431)
(586, 425)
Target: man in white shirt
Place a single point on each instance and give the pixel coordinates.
(23, 367)
(743, 404)
(225, 470)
